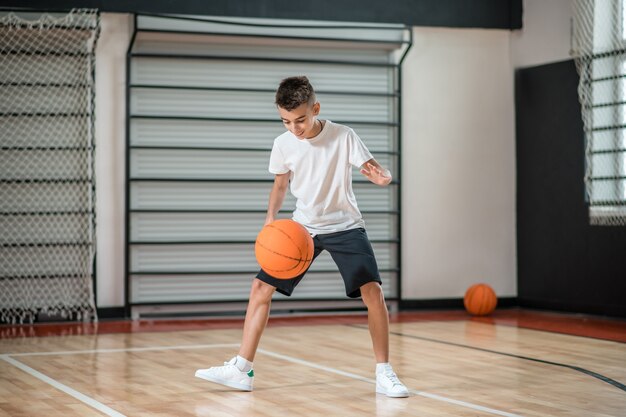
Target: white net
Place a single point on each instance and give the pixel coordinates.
(599, 49)
(47, 239)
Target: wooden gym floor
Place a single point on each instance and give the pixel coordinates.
(514, 363)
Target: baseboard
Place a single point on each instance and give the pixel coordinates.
(570, 307)
(448, 303)
(111, 313)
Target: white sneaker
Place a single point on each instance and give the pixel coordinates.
(387, 383)
(228, 375)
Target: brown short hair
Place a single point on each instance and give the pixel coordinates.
(293, 92)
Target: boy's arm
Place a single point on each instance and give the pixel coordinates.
(277, 195)
(374, 172)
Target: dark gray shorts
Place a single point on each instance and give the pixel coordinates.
(352, 252)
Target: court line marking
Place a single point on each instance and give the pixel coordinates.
(79, 395)
(436, 397)
(576, 368)
(593, 374)
(119, 350)
(62, 387)
(373, 381)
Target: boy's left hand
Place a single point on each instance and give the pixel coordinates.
(375, 174)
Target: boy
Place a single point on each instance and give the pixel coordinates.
(316, 156)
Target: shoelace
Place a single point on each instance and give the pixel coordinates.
(392, 376)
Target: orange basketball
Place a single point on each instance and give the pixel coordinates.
(284, 249)
(480, 300)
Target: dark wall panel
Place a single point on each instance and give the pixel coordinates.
(503, 14)
(563, 262)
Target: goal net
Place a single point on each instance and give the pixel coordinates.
(599, 49)
(47, 212)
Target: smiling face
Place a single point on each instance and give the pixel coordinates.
(301, 121)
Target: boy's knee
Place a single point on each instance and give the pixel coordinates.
(261, 291)
(372, 293)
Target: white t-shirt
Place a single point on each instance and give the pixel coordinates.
(321, 176)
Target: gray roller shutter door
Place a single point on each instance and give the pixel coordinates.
(201, 127)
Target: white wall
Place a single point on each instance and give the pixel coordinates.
(458, 153)
(545, 36)
(116, 30)
(459, 150)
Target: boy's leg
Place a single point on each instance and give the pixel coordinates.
(257, 314)
(237, 373)
(352, 252)
(377, 319)
(387, 381)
